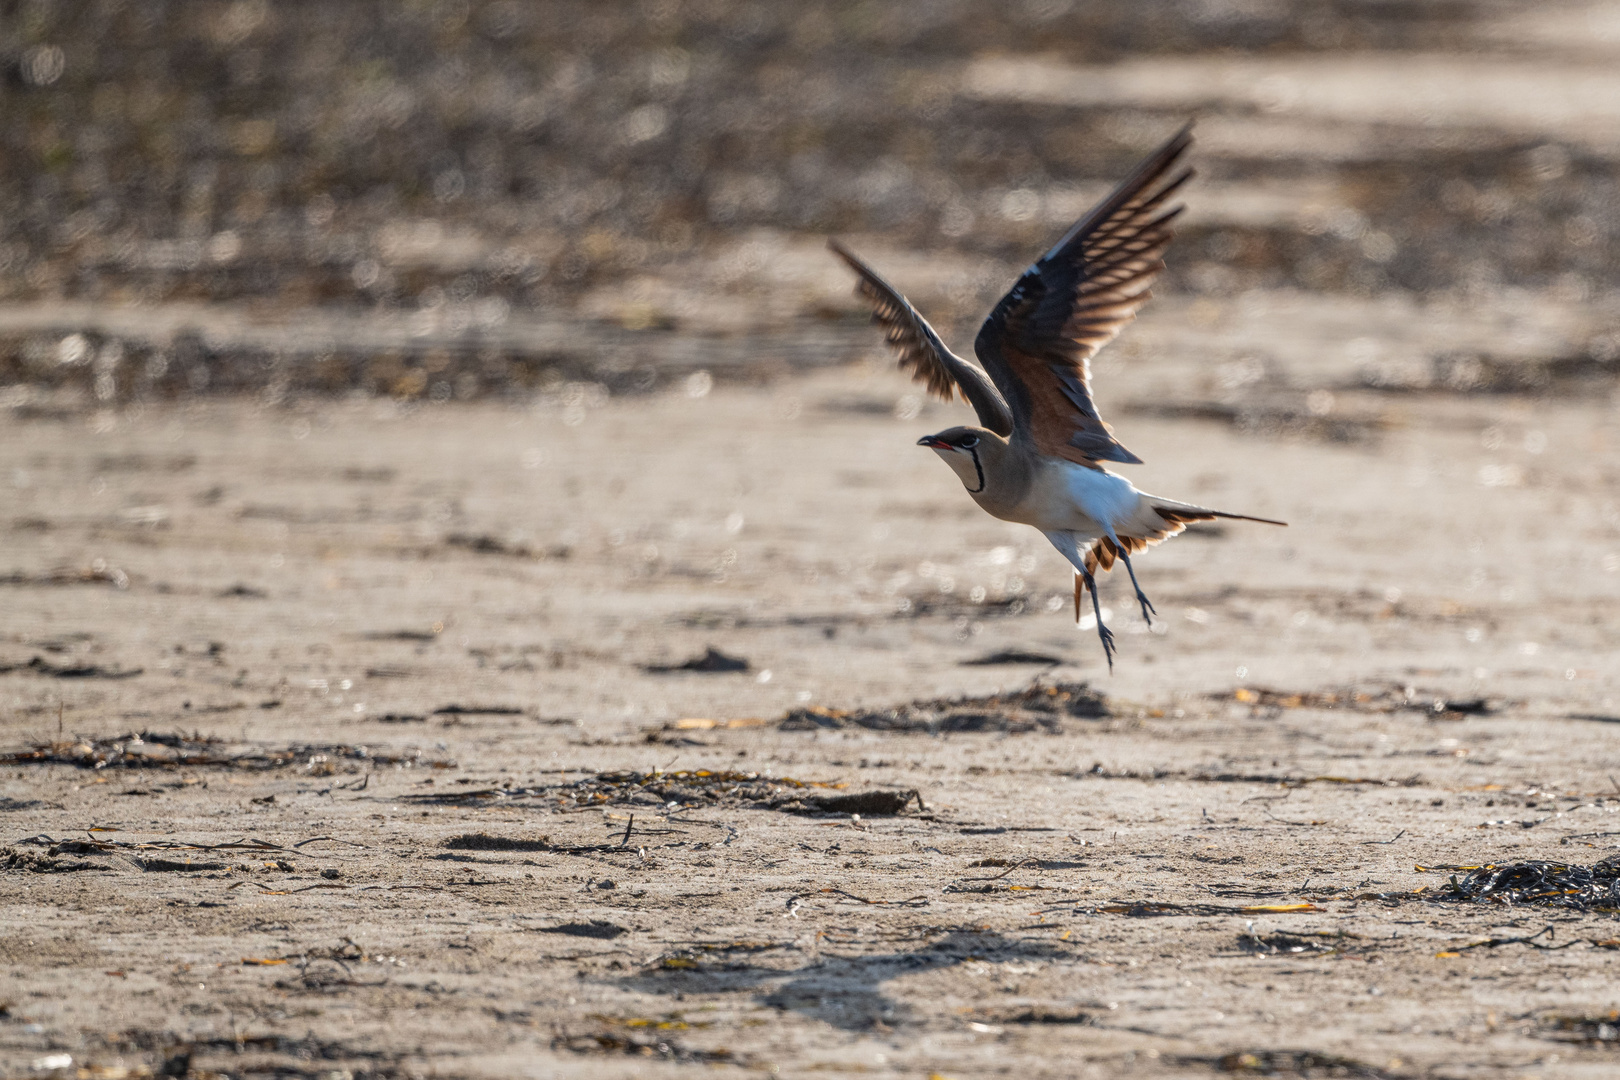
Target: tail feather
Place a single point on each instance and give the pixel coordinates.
(1105, 551)
(1180, 513)
(1246, 517)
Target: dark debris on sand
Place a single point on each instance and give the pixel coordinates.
(1387, 699)
(1306, 943)
(656, 1048)
(1537, 884)
(147, 750)
(1304, 1064)
(486, 842)
(41, 666)
(683, 789)
(1031, 1014)
(241, 1054)
(34, 862)
(1603, 1030)
(705, 787)
(1038, 708)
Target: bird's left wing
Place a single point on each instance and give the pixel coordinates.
(1039, 340)
(922, 352)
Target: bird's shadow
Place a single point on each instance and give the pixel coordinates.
(838, 988)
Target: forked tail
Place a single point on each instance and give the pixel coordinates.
(1105, 551)
(1179, 513)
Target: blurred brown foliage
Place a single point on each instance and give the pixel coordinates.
(156, 149)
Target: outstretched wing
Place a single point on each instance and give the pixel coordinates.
(1038, 342)
(921, 351)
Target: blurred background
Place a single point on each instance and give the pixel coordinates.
(456, 198)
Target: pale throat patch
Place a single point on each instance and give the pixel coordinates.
(962, 465)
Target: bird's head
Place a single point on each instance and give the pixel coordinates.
(969, 451)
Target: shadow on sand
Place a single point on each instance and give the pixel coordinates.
(841, 989)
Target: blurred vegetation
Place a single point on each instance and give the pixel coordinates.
(603, 134)
(408, 152)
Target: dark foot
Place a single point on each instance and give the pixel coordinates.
(1148, 610)
(1105, 634)
(1107, 637)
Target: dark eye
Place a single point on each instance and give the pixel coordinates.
(969, 443)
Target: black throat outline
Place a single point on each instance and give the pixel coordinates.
(980, 468)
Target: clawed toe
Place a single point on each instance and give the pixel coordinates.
(1148, 610)
(1103, 633)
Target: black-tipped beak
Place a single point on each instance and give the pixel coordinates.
(933, 443)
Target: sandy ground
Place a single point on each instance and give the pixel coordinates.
(473, 594)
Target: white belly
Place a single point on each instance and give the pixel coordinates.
(1084, 501)
(1102, 496)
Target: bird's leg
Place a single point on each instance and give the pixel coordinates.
(1148, 610)
(1068, 543)
(1103, 632)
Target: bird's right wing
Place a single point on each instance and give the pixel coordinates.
(922, 352)
(1038, 342)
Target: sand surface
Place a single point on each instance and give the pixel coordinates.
(420, 623)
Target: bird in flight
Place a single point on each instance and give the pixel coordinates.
(1037, 455)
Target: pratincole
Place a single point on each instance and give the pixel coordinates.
(1037, 457)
